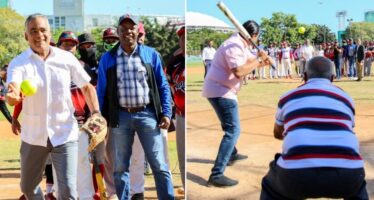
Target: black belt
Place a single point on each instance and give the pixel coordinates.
(133, 110)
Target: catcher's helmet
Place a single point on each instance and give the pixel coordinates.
(110, 33)
(67, 36)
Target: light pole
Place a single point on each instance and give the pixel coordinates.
(349, 20)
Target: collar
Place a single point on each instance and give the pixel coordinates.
(318, 81)
(30, 53)
(120, 51)
(246, 45)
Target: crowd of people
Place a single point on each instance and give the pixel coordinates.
(129, 85)
(352, 58)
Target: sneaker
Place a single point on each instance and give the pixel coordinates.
(138, 196)
(235, 158)
(222, 181)
(49, 196)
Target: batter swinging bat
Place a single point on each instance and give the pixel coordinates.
(99, 178)
(238, 26)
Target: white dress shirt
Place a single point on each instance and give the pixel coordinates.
(208, 53)
(307, 52)
(49, 113)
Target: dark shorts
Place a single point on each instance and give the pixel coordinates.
(319, 182)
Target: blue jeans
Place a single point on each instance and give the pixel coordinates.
(337, 68)
(144, 123)
(228, 114)
(352, 67)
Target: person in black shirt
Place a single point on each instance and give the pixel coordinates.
(337, 51)
(360, 54)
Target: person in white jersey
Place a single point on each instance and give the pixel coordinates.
(307, 52)
(208, 54)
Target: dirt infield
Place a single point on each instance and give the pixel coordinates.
(10, 178)
(256, 140)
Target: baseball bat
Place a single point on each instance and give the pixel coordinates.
(238, 26)
(99, 179)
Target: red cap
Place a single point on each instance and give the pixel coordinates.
(141, 28)
(181, 31)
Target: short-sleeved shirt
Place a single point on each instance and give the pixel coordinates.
(220, 81)
(49, 113)
(318, 120)
(307, 52)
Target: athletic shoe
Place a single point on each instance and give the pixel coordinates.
(222, 181)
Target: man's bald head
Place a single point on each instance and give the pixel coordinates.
(319, 67)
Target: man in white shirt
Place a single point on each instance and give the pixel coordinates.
(48, 123)
(208, 55)
(307, 52)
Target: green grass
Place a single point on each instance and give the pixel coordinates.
(9, 153)
(267, 92)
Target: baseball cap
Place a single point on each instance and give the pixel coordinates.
(141, 28)
(85, 38)
(67, 36)
(181, 31)
(129, 17)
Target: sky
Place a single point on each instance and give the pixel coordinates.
(114, 7)
(306, 11)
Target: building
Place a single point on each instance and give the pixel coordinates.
(5, 4)
(369, 16)
(197, 21)
(69, 15)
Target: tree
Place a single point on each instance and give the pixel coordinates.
(12, 35)
(284, 27)
(323, 35)
(197, 39)
(362, 30)
(162, 37)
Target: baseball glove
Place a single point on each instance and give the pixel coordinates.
(96, 128)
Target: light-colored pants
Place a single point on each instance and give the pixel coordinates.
(181, 138)
(137, 163)
(286, 64)
(262, 72)
(281, 70)
(85, 187)
(64, 160)
(109, 165)
(360, 71)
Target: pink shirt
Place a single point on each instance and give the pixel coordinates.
(220, 81)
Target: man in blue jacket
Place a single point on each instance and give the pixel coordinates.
(134, 96)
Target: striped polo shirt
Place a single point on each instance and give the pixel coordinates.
(318, 120)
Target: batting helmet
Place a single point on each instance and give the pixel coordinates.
(67, 36)
(110, 33)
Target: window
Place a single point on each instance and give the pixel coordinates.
(57, 22)
(63, 23)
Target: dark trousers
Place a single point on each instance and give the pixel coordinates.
(337, 68)
(329, 182)
(207, 65)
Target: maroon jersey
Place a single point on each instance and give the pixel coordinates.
(81, 109)
(176, 77)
